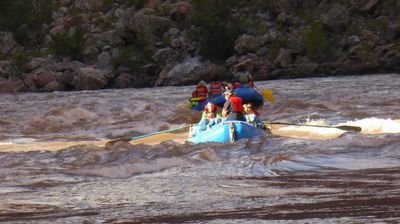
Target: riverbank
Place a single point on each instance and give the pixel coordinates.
(90, 45)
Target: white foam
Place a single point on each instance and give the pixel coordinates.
(376, 125)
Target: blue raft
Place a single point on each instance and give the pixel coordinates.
(248, 95)
(227, 131)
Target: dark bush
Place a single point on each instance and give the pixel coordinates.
(320, 45)
(215, 29)
(25, 18)
(69, 45)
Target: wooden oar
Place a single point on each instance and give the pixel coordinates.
(148, 135)
(341, 127)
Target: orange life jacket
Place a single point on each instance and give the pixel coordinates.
(201, 91)
(211, 115)
(237, 104)
(215, 88)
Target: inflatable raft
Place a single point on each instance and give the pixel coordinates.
(226, 131)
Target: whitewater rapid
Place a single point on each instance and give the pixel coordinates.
(56, 165)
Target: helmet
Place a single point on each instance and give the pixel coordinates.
(228, 92)
(202, 83)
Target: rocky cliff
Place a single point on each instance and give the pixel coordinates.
(58, 45)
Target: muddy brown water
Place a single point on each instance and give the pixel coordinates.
(55, 165)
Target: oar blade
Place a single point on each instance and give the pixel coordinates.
(184, 106)
(348, 128)
(268, 95)
(113, 141)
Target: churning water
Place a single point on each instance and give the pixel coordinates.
(53, 169)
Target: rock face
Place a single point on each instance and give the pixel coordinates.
(337, 17)
(90, 79)
(246, 44)
(96, 44)
(8, 44)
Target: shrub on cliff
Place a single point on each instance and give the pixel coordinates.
(214, 28)
(320, 45)
(70, 45)
(25, 18)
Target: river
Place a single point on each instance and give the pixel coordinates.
(53, 171)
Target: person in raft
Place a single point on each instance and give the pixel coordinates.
(243, 77)
(201, 90)
(251, 116)
(209, 117)
(233, 107)
(215, 88)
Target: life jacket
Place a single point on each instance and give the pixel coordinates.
(211, 115)
(201, 91)
(243, 77)
(236, 85)
(237, 104)
(215, 88)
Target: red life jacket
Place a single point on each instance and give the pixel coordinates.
(215, 88)
(201, 91)
(237, 104)
(236, 85)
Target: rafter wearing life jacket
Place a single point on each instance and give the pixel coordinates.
(233, 107)
(215, 88)
(210, 111)
(237, 104)
(209, 117)
(201, 90)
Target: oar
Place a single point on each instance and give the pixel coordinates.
(160, 132)
(189, 105)
(185, 105)
(267, 94)
(148, 135)
(341, 127)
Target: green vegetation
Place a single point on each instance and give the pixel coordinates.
(258, 5)
(21, 58)
(306, 15)
(106, 6)
(138, 4)
(363, 49)
(389, 8)
(375, 24)
(352, 29)
(215, 29)
(70, 45)
(274, 47)
(134, 54)
(131, 57)
(25, 18)
(319, 45)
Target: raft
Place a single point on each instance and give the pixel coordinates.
(248, 95)
(226, 131)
